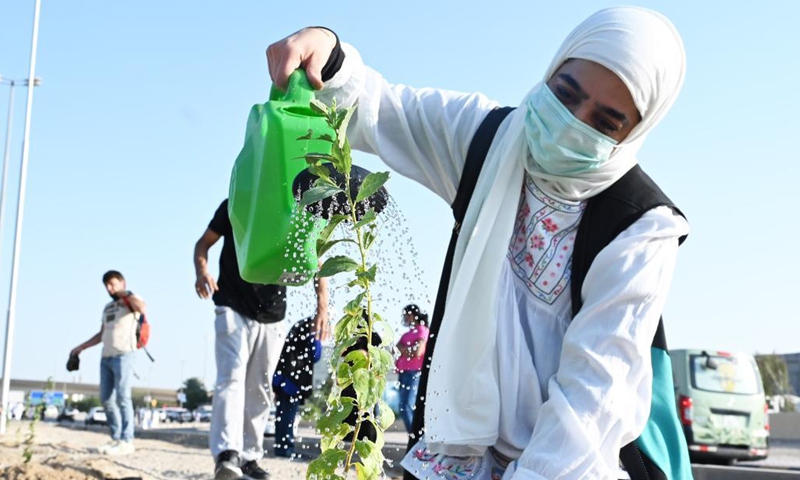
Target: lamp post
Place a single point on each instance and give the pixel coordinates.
(23, 175)
(7, 151)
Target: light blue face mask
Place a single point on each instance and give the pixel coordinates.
(560, 143)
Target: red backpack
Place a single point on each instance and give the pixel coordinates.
(142, 329)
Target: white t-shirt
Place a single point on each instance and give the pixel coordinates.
(119, 329)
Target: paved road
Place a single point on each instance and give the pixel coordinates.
(782, 454)
(783, 461)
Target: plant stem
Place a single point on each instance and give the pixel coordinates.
(362, 251)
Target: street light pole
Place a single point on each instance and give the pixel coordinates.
(7, 152)
(12, 84)
(12, 300)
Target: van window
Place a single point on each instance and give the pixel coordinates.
(725, 374)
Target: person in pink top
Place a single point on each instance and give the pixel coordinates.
(409, 363)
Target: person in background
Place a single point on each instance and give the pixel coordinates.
(250, 330)
(118, 336)
(409, 363)
(293, 382)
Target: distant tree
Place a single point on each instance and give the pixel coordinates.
(138, 399)
(196, 393)
(774, 374)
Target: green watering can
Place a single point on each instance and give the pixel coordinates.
(276, 240)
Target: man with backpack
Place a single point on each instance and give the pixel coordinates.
(119, 334)
(250, 333)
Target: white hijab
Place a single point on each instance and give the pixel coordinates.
(643, 49)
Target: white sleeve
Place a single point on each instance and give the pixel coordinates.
(422, 134)
(599, 400)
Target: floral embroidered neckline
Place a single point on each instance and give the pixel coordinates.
(541, 249)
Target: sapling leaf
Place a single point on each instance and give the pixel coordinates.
(358, 359)
(320, 171)
(323, 248)
(368, 218)
(337, 264)
(354, 307)
(346, 327)
(368, 274)
(371, 184)
(347, 159)
(332, 438)
(377, 384)
(332, 224)
(317, 193)
(313, 158)
(380, 359)
(369, 238)
(361, 384)
(345, 374)
(335, 414)
(341, 125)
(337, 158)
(319, 106)
(324, 467)
(385, 416)
(370, 465)
(342, 346)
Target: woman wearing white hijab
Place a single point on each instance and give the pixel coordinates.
(556, 393)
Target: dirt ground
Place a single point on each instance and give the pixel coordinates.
(62, 453)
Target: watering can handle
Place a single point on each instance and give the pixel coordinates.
(298, 90)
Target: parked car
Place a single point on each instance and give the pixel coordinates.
(179, 415)
(50, 412)
(203, 413)
(96, 416)
(68, 414)
(721, 405)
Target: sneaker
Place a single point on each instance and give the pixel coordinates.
(104, 448)
(124, 447)
(251, 471)
(227, 466)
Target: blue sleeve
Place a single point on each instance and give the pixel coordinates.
(317, 348)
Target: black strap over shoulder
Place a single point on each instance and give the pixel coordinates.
(476, 155)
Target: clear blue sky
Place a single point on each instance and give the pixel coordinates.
(142, 112)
